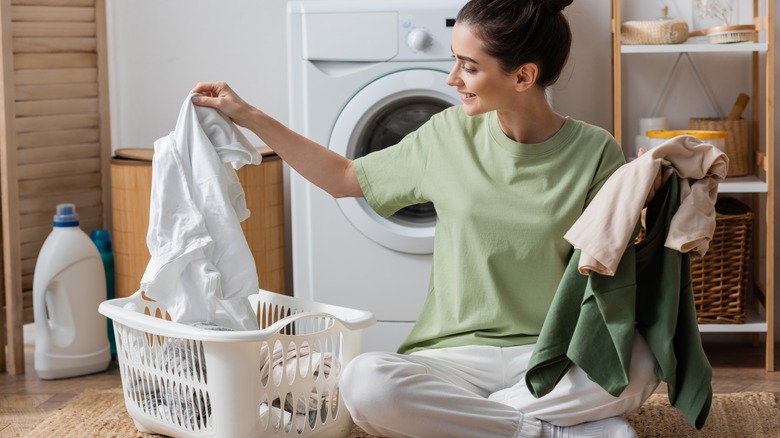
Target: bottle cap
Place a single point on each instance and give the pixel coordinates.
(102, 239)
(66, 216)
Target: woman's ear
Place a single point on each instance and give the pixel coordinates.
(526, 76)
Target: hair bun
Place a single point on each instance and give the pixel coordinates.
(555, 6)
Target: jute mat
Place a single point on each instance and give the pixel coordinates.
(101, 413)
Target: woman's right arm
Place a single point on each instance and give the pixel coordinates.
(326, 169)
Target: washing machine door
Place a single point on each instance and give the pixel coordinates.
(378, 116)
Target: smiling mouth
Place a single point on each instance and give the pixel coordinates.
(467, 95)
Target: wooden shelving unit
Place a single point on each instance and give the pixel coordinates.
(761, 184)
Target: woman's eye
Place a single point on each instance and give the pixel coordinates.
(468, 69)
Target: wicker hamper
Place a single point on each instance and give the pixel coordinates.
(736, 147)
(720, 278)
(131, 185)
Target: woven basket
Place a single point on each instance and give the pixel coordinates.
(654, 32)
(736, 148)
(131, 185)
(720, 278)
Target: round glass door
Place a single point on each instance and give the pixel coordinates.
(377, 117)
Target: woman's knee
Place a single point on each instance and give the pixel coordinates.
(370, 379)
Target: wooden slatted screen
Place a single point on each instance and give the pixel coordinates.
(55, 145)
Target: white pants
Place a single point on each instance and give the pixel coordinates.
(479, 391)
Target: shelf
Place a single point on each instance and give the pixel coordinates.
(758, 59)
(691, 47)
(755, 324)
(742, 184)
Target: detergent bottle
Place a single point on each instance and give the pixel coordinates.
(68, 285)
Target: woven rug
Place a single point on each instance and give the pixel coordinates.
(102, 414)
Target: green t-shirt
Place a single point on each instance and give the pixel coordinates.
(503, 208)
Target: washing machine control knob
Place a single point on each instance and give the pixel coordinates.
(419, 40)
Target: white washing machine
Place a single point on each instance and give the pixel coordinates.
(362, 75)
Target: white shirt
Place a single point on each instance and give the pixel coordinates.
(200, 260)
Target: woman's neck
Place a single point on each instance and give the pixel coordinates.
(531, 121)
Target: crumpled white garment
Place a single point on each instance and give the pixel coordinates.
(200, 260)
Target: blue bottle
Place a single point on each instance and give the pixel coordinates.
(102, 240)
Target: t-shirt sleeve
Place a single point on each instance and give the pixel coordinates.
(611, 159)
(392, 178)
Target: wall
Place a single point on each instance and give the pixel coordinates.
(159, 49)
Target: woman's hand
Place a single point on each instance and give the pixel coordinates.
(325, 168)
(659, 181)
(220, 96)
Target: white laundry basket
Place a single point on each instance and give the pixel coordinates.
(281, 380)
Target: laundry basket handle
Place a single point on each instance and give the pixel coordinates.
(261, 334)
(279, 325)
(115, 310)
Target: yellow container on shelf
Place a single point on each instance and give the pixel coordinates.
(715, 138)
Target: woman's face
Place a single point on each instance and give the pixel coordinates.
(477, 76)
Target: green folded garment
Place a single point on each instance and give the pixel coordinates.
(592, 320)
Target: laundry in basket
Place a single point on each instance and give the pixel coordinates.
(295, 361)
(187, 381)
(175, 402)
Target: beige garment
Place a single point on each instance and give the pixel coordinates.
(605, 227)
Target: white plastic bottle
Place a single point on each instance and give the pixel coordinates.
(68, 286)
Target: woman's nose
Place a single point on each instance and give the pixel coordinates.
(452, 77)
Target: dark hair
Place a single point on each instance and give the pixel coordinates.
(517, 32)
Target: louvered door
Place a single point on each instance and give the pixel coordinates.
(54, 142)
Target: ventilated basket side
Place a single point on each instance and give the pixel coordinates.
(299, 377)
(720, 278)
(163, 378)
(301, 365)
(736, 146)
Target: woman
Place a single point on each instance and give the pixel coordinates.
(508, 176)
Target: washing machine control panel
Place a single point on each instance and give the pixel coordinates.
(419, 39)
(425, 35)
